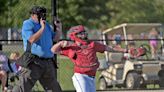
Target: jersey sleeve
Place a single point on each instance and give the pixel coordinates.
(99, 47)
(67, 51)
(27, 29)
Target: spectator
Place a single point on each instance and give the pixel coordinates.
(83, 54)
(3, 71)
(14, 56)
(37, 31)
(117, 39)
(117, 42)
(6, 66)
(153, 36)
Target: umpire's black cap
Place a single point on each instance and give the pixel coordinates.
(37, 10)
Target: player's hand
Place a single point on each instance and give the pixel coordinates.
(65, 43)
(42, 23)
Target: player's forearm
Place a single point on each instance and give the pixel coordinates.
(36, 36)
(56, 48)
(110, 48)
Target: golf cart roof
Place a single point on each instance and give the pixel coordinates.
(132, 28)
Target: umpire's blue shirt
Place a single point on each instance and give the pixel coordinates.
(42, 47)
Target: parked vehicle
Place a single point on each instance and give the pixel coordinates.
(132, 73)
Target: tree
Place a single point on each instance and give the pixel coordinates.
(92, 14)
(3, 6)
(21, 10)
(136, 11)
(5, 12)
(97, 14)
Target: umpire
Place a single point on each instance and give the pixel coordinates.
(38, 32)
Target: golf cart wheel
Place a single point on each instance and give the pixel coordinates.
(161, 79)
(161, 82)
(133, 81)
(142, 84)
(102, 84)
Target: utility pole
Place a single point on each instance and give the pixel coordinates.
(54, 15)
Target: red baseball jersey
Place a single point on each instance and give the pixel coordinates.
(84, 57)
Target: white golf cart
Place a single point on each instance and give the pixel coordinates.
(127, 72)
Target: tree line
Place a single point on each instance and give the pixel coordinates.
(95, 14)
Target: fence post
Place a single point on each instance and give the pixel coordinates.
(9, 36)
(1, 47)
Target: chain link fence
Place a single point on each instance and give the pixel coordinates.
(11, 41)
(65, 70)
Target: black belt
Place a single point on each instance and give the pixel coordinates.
(42, 58)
